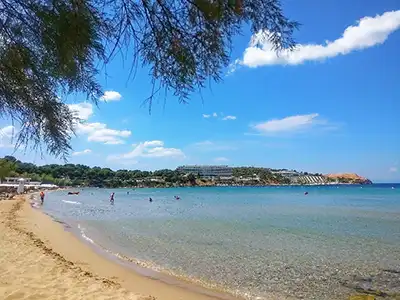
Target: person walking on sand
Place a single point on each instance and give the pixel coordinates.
(112, 198)
(41, 197)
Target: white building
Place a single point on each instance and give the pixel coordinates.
(286, 173)
(207, 171)
(16, 180)
(26, 182)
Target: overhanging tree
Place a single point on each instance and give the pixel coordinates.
(54, 47)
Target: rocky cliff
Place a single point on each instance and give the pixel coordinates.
(350, 178)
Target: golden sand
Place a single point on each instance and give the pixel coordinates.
(40, 260)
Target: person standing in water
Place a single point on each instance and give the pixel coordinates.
(41, 197)
(112, 198)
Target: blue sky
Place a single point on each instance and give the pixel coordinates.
(331, 106)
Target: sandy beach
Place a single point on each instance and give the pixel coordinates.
(39, 259)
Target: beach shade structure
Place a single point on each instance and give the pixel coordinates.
(21, 186)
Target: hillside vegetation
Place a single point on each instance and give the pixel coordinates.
(81, 175)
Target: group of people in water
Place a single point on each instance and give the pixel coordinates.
(42, 195)
(150, 199)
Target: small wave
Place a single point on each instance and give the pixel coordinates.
(83, 235)
(71, 202)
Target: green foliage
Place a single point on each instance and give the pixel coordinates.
(47, 48)
(191, 178)
(6, 167)
(81, 175)
(281, 179)
(344, 180)
(265, 175)
(250, 171)
(53, 48)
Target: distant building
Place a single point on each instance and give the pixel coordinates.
(207, 171)
(226, 178)
(255, 177)
(16, 180)
(157, 179)
(152, 179)
(286, 173)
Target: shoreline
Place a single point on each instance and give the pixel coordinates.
(46, 238)
(33, 235)
(143, 268)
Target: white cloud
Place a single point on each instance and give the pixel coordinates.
(8, 131)
(7, 135)
(204, 143)
(96, 132)
(393, 169)
(215, 115)
(82, 110)
(368, 32)
(213, 146)
(5, 144)
(288, 124)
(149, 149)
(153, 144)
(221, 159)
(86, 151)
(229, 118)
(206, 116)
(111, 96)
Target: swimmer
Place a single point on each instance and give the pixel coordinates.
(41, 197)
(112, 198)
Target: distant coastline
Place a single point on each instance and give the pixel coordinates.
(71, 175)
(215, 183)
(210, 183)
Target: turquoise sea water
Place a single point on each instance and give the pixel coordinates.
(259, 243)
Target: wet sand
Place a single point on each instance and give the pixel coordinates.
(39, 259)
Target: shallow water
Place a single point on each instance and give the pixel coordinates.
(265, 243)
